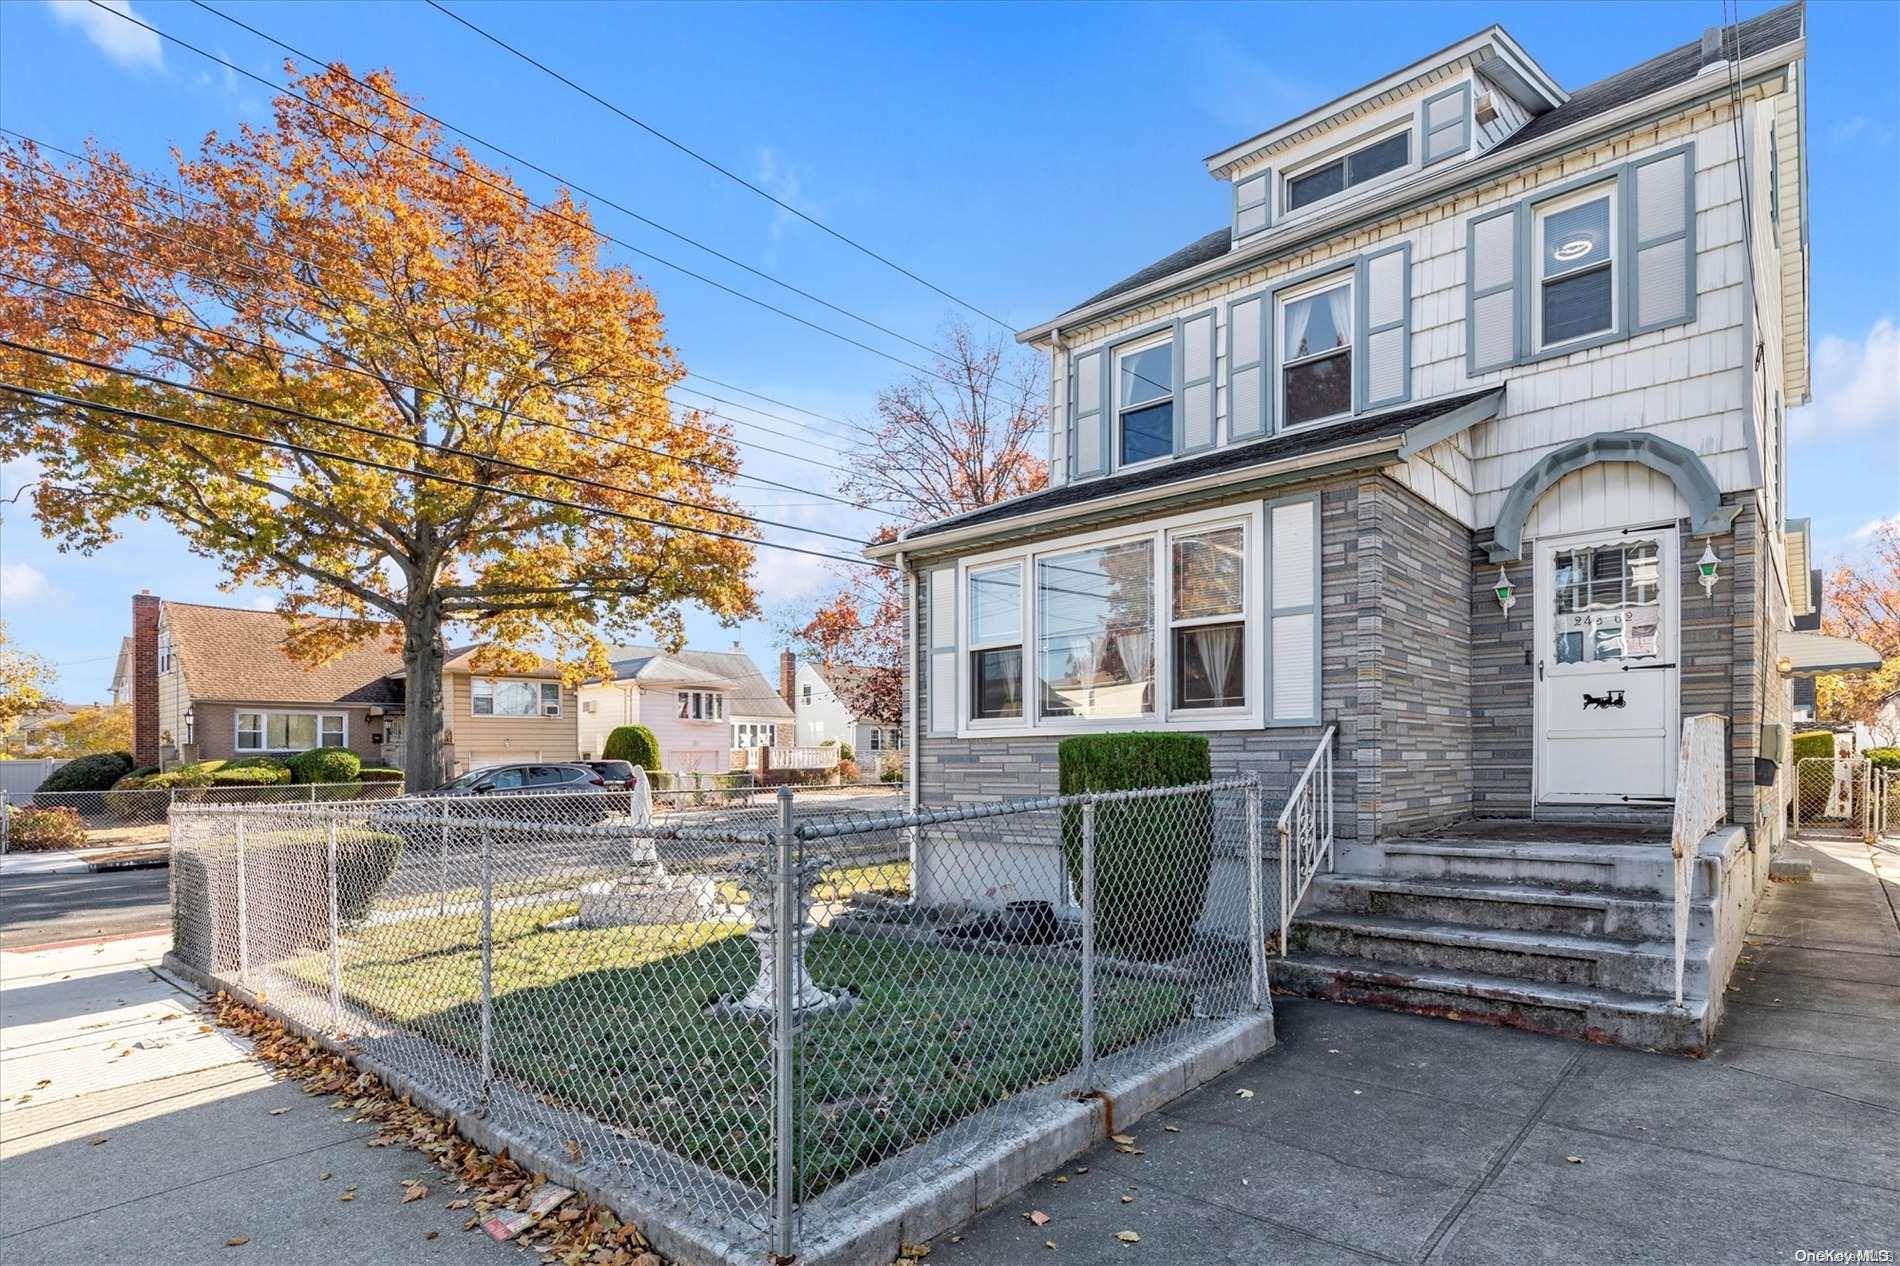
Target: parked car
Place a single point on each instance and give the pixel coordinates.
(618, 773)
(505, 783)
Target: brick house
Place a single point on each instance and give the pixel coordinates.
(1430, 447)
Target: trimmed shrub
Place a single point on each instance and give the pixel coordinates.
(635, 744)
(204, 892)
(848, 770)
(1813, 743)
(1883, 757)
(846, 751)
(45, 828)
(97, 772)
(379, 773)
(325, 764)
(1153, 858)
(256, 771)
(892, 773)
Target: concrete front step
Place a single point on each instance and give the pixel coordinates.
(1576, 1011)
(1644, 869)
(1499, 904)
(1540, 956)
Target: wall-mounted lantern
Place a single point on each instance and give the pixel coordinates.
(1507, 595)
(1705, 570)
(191, 726)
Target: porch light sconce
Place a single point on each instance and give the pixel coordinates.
(1705, 570)
(1507, 595)
(191, 726)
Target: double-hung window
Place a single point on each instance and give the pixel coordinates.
(1383, 156)
(996, 643)
(701, 705)
(1095, 650)
(1208, 617)
(1144, 400)
(1315, 324)
(1575, 247)
(489, 697)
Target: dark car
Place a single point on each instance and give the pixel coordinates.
(617, 773)
(526, 787)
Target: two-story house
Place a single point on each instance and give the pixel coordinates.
(829, 712)
(1462, 441)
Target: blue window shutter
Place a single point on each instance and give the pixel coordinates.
(1659, 226)
(1253, 210)
(1248, 390)
(940, 595)
(1384, 340)
(1194, 383)
(1445, 124)
(1292, 586)
(1088, 406)
(1493, 277)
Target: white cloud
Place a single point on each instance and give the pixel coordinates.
(778, 177)
(20, 582)
(1862, 127)
(118, 39)
(1865, 532)
(1856, 386)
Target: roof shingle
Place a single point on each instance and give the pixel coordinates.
(233, 655)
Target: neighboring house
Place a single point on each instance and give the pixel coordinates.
(700, 705)
(1805, 590)
(1430, 443)
(512, 716)
(825, 716)
(122, 673)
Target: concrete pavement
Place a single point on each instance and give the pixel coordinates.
(1378, 1137)
(129, 1133)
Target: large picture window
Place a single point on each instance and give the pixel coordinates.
(289, 731)
(1576, 272)
(1144, 401)
(1096, 643)
(1316, 352)
(502, 697)
(996, 643)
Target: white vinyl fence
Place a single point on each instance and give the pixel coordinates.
(18, 777)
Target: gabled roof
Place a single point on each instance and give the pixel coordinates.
(1677, 66)
(233, 655)
(657, 669)
(846, 680)
(751, 694)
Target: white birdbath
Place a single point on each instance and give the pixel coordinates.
(761, 1001)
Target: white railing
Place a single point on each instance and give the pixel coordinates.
(804, 757)
(1306, 832)
(1701, 805)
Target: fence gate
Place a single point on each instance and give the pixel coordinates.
(1843, 797)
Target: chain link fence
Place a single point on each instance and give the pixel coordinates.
(142, 814)
(766, 1010)
(1834, 796)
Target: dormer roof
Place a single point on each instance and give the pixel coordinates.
(1492, 53)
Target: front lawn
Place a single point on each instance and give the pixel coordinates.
(615, 1021)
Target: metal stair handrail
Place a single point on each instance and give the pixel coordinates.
(1306, 832)
(1701, 805)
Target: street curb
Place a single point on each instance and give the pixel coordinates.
(137, 863)
(910, 1211)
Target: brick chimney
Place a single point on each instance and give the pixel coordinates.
(144, 679)
(788, 679)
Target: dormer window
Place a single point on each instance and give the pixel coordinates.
(1316, 351)
(1144, 400)
(1387, 154)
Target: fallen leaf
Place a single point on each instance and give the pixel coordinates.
(1574, 1160)
(42, 1083)
(1048, 1243)
(1126, 1140)
(914, 1250)
(102, 1138)
(1243, 1094)
(414, 1191)
(458, 1204)
(1128, 1237)
(429, 1235)
(324, 1176)
(1037, 1217)
(237, 1241)
(1062, 1178)
(278, 1112)
(349, 1194)
(1128, 1200)
(1172, 1129)
(573, 1150)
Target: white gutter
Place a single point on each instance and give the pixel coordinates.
(1474, 172)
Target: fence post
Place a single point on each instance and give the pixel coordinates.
(312, 797)
(442, 892)
(488, 967)
(1088, 944)
(244, 916)
(336, 946)
(1286, 885)
(1256, 924)
(786, 926)
(6, 823)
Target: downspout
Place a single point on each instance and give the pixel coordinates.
(911, 726)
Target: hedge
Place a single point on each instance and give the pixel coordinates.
(325, 764)
(252, 771)
(29, 828)
(1883, 757)
(204, 892)
(635, 744)
(1152, 857)
(378, 773)
(1813, 743)
(97, 772)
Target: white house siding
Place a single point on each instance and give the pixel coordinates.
(1687, 383)
(612, 706)
(1511, 117)
(685, 745)
(826, 716)
(1794, 283)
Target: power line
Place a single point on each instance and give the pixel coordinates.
(44, 396)
(701, 158)
(150, 182)
(462, 454)
(732, 473)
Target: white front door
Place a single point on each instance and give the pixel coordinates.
(1607, 651)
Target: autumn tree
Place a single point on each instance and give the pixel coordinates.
(345, 264)
(24, 681)
(966, 437)
(89, 731)
(1861, 600)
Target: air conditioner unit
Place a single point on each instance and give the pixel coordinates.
(1485, 110)
(589, 706)
(550, 709)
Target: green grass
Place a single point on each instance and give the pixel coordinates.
(614, 1021)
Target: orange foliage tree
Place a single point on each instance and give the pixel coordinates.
(1862, 601)
(964, 439)
(343, 261)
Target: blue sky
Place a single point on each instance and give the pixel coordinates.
(1020, 156)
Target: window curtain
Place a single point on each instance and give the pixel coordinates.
(1137, 652)
(1339, 305)
(1217, 646)
(1298, 317)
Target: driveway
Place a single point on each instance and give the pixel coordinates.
(1372, 1136)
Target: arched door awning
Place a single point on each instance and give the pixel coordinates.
(1708, 515)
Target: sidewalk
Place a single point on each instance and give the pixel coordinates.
(1372, 1136)
(77, 861)
(131, 1133)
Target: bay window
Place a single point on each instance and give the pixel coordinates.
(260, 731)
(996, 643)
(503, 697)
(1144, 400)
(1576, 272)
(1315, 356)
(1095, 632)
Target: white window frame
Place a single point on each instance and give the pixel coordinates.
(1164, 716)
(877, 738)
(541, 701)
(1540, 215)
(1383, 131)
(262, 730)
(164, 650)
(1347, 278)
(1251, 561)
(968, 645)
(1161, 338)
(701, 705)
